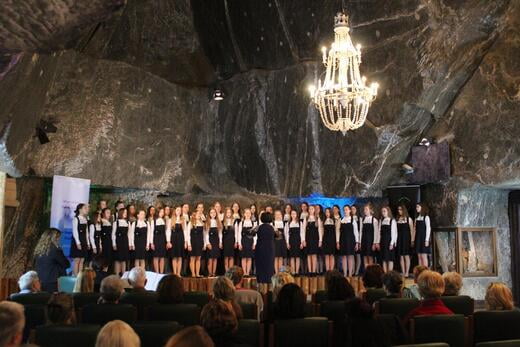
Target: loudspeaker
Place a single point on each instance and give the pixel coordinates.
(403, 195)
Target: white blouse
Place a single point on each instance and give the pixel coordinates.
(92, 233)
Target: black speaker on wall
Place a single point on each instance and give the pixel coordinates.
(403, 195)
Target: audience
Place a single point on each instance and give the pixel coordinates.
(393, 284)
(452, 283)
(100, 266)
(499, 297)
(50, 262)
(111, 289)
(290, 302)
(194, 336)
(338, 287)
(137, 280)
(243, 295)
(279, 280)
(170, 290)
(29, 282)
(431, 287)
(117, 334)
(224, 290)
(365, 330)
(220, 322)
(412, 292)
(12, 322)
(373, 277)
(60, 309)
(85, 281)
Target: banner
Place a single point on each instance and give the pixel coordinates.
(67, 193)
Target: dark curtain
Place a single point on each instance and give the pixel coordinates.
(514, 226)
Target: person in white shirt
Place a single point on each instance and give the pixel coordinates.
(80, 242)
(330, 239)
(369, 235)
(120, 241)
(139, 239)
(348, 241)
(158, 239)
(178, 239)
(196, 242)
(422, 234)
(280, 244)
(405, 237)
(213, 242)
(228, 239)
(388, 238)
(246, 240)
(313, 227)
(295, 236)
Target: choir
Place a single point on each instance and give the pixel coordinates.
(318, 236)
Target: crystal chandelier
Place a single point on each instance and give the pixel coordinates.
(343, 98)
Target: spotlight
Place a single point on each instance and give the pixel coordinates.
(42, 136)
(218, 94)
(407, 168)
(424, 142)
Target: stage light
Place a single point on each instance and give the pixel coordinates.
(42, 135)
(218, 94)
(424, 142)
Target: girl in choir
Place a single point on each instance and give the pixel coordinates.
(329, 239)
(237, 215)
(218, 207)
(101, 205)
(369, 235)
(295, 236)
(132, 213)
(336, 213)
(246, 240)
(167, 212)
(287, 213)
(228, 239)
(119, 205)
(348, 241)
(179, 237)
(106, 235)
(388, 238)
(200, 209)
(213, 242)
(158, 240)
(304, 211)
(313, 238)
(280, 244)
(196, 244)
(139, 239)
(356, 219)
(254, 213)
(422, 234)
(80, 242)
(150, 214)
(404, 239)
(120, 241)
(94, 233)
(186, 213)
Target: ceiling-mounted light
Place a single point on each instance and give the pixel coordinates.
(424, 142)
(218, 94)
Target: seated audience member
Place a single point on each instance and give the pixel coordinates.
(393, 284)
(452, 283)
(365, 329)
(170, 290)
(243, 295)
(100, 266)
(194, 336)
(338, 287)
(224, 290)
(137, 280)
(29, 283)
(117, 334)
(220, 322)
(12, 322)
(431, 287)
(60, 309)
(49, 260)
(279, 280)
(373, 277)
(85, 281)
(412, 292)
(499, 297)
(111, 289)
(290, 302)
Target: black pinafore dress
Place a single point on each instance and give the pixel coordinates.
(82, 236)
(280, 244)
(97, 236)
(214, 241)
(329, 239)
(420, 237)
(312, 238)
(386, 239)
(159, 240)
(347, 239)
(140, 238)
(122, 252)
(228, 241)
(247, 243)
(367, 238)
(404, 238)
(197, 241)
(295, 241)
(177, 241)
(106, 242)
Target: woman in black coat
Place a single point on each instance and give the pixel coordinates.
(264, 251)
(50, 262)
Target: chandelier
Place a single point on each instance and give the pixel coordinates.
(343, 98)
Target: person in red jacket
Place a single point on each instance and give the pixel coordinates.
(431, 287)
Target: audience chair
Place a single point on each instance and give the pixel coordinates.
(334, 310)
(104, 313)
(504, 343)
(306, 332)
(434, 344)
(398, 307)
(198, 298)
(40, 298)
(35, 315)
(461, 304)
(84, 299)
(66, 284)
(374, 294)
(451, 329)
(140, 300)
(496, 325)
(185, 314)
(82, 335)
(249, 310)
(319, 296)
(250, 332)
(393, 328)
(154, 334)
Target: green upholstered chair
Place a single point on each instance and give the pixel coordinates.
(496, 325)
(249, 310)
(140, 300)
(250, 332)
(198, 298)
(154, 334)
(504, 343)
(104, 313)
(461, 304)
(185, 314)
(82, 335)
(399, 307)
(450, 329)
(306, 332)
(374, 294)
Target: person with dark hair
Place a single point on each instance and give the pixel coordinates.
(120, 241)
(373, 276)
(220, 322)
(80, 242)
(338, 287)
(365, 329)
(170, 290)
(290, 302)
(244, 295)
(194, 336)
(60, 309)
(50, 262)
(100, 266)
(422, 234)
(223, 289)
(393, 284)
(264, 251)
